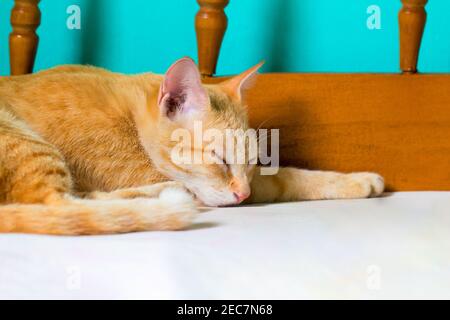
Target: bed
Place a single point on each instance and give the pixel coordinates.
(385, 248)
(391, 247)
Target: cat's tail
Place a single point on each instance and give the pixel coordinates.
(173, 210)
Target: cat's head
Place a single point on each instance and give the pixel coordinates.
(191, 117)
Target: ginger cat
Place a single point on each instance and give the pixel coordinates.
(87, 151)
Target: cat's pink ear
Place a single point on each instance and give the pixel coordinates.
(182, 96)
(238, 84)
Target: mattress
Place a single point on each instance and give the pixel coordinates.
(397, 246)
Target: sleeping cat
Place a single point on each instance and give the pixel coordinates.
(87, 151)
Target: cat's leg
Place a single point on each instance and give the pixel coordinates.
(149, 191)
(34, 171)
(36, 190)
(291, 184)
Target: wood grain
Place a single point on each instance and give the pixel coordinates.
(23, 41)
(412, 18)
(210, 26)
(395, 125)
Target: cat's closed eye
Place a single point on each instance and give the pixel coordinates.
(220, 160)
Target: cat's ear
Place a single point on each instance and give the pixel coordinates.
(182, 96)
(235, 86)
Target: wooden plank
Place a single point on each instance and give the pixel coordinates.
(397, 125)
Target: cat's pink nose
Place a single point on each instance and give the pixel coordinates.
(241, 196)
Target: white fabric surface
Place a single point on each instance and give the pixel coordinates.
(392, 247)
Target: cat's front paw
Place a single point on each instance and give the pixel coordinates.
(365, 185)
(154, 190)
(178, 208)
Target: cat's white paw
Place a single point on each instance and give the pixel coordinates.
(365, 184)
(154, 190)
(179, 208)
(176, 195)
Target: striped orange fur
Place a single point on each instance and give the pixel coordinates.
(86, 151)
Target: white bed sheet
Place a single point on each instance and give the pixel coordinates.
(392, 247)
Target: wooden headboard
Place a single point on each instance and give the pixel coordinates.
(394, 124)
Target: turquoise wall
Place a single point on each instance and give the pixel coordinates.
(291, 35)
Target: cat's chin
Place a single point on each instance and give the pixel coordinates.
(207, 203)
(217, 204)
(223, 201)
(207, 197)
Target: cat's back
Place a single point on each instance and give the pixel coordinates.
(60, 74)
(62, 81)
(74, 89)
(53, 83)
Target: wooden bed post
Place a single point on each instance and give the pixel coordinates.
(210, 25)
(23, 41)
(412, 18)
